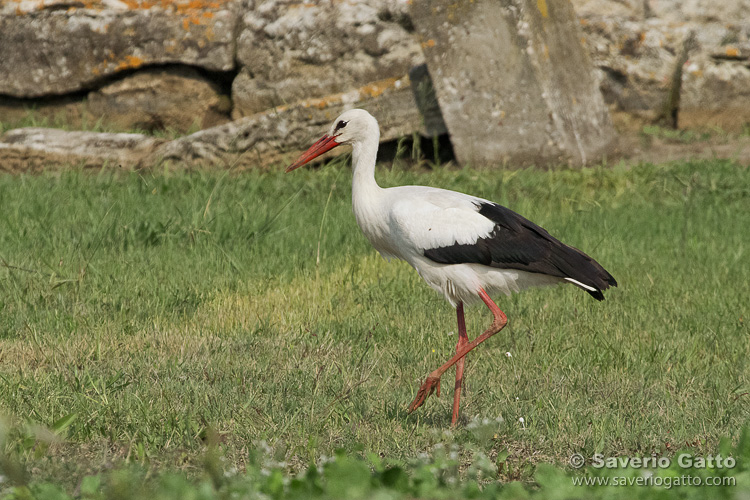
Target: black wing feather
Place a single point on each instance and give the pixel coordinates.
(518, 243)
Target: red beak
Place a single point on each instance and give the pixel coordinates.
(326, 143)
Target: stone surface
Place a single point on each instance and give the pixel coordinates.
(670, 11)
(291, 51)
(31, 149)
(63, 48)
(513, 81)
(271, 138)
(636, 60)
(179, 99)
(608, 9)
(715, 93)
(277, 136)
(134, 61)
(677, 11)
(636, 47)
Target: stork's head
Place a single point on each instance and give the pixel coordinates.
(351, 127)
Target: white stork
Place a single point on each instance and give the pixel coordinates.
(465, 247)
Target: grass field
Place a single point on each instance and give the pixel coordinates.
(143, 315)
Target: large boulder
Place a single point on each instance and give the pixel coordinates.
(290, 51)
(513, 81)
(179, 99)
(278, 135)
(56, 48)
(32, 149)
(273, 137)
(660, 53)
(636, 60)
(149, 64)
(716, 91)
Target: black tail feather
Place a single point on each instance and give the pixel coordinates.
(517, 243)
(591, 274)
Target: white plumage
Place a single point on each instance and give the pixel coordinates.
(463, 246)
(415, 218)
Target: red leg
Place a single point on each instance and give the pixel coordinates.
(433, 379)
(462, 340)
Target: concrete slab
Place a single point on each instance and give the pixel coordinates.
(514, 82)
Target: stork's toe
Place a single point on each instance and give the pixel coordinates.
(430, 385)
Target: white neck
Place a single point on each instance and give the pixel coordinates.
(367, 196)
(364, 154)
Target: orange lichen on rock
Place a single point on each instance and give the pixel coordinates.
(375, 89)
(126, 62)
(733, 51)
(179, 6)
(369, 91)
(542, 6)
(183, 7)
(129, 62)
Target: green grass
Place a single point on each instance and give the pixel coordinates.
(702, 135)
(680, 136)
(141, 312)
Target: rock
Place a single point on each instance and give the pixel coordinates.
(264, 139)
(610, 9)
(52, 51)
(513, 81)
(715, 94)
(291, 51)
(179, 99)
(176, 99)
(167, 63)
(679, 11)
(32, 149)
(636, 46)
(667, 11)
(278, 135)
(636, 60)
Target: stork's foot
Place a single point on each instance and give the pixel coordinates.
(430, 385)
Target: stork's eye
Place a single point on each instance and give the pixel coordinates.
(341, 124)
